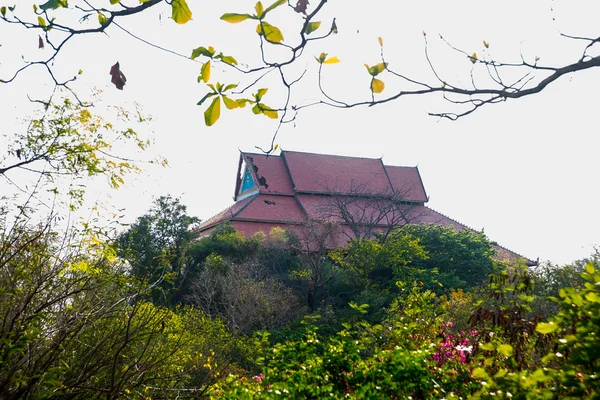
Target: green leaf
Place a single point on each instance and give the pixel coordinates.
(229, 103)
(271, 33)
(207, 96)
(505, 349)
(102, 19)
(3, 11)
(180, 11)
(313, 26)
(235, 18)
(260, 10)
(205, 72)
(53, 4)
(230, 86)
(115, 1)
(377, 85)
(213, 112)
(275, 5)
(321, 58)
(41, 21)
(203, 51)
(546, 328)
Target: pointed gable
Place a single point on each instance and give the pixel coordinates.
(321, 173)
(407, 181)
(269, 172)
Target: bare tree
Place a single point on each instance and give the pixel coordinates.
(368, 211)
(312, 241)
(244, 294)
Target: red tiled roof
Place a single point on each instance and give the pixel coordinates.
(407, 182)
(273, 208)
(271, 173)
(224, 215)
(320, 173)
(296, 187)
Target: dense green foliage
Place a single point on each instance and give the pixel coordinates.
(159, 314)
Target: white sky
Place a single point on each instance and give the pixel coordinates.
(526, 171)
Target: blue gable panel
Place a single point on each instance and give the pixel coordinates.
(248, 182)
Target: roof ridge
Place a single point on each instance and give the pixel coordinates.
(207, 220)
(330, 155)
(451, 219)
(259, 154)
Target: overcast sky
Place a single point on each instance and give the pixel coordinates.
(526, 171)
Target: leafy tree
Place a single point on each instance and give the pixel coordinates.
(455, 259)
(69, 142)
(155, 245)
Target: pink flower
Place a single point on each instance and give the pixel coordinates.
(259, 377)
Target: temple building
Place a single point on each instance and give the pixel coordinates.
(363, 197)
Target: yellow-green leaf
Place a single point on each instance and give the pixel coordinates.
(230, 104)
(53, 4)
(260, 93)
(546, 328)
(205, 72)
(180, 12)
(313, 26)
(486, 44)
(271, 33)
(102, 19)
(207, 96)
(377, 85)
(3, 11)
(275, 5)
(234, 18)
(321, 58)
(590, 268)
(332, 60)
(270, 113)
(260, 10)
(41, 21)
(227, 59)
(473, 58)
(376, 69)
(242, 102)
(203, 51)
(380, 41)
(487, 346)
(114, 1)
(213, 112)
(479, 373)
(230, 86)
(505, 350)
